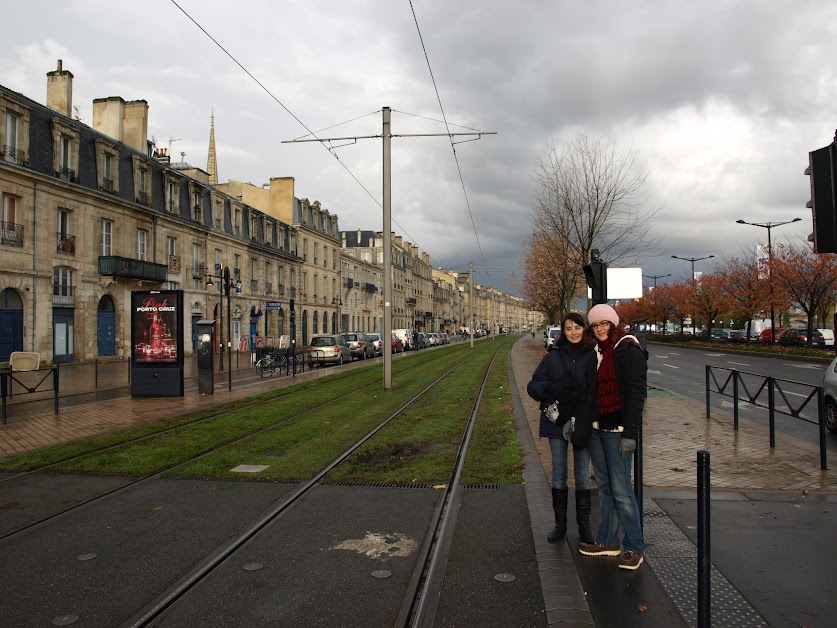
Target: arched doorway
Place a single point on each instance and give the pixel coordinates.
(11, 323)
(106, 326)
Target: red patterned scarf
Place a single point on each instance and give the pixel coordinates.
(608, 399)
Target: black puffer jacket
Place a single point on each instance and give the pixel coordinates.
(631, 368)
(553, 371)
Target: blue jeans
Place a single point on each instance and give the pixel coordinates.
(617, 502)
(581, 465)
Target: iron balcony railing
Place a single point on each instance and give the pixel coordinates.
(174, 264)
(142, 197)
(349, 282)
(66, 244)
(11, 234)
(12, 154)
(410, 301)
(254, 286)
(198, 270)
(268, 288)
(68, 174)
(132, 268)
(107, 184)
(371, 287)
(281, 290)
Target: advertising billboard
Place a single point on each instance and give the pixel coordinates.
(156, 334)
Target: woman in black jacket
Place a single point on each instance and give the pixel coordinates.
(567, 375)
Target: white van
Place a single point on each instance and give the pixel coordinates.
(553, 332)
(405, 336)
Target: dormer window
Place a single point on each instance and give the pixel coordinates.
(142, 181)
(196, 194)
(172, 193)
(14, 132)
(65, 150)
(107, 158)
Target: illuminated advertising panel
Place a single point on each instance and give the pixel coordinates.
(156, 334)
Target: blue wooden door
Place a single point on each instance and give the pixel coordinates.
(11, 333)
(106, 333)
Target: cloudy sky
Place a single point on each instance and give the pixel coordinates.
(720, 101)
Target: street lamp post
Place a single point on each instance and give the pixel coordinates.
(769, 226)
(656, 277)
(693, 260)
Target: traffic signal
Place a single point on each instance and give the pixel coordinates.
(823, 207)
(596, 275)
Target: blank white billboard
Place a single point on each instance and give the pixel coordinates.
(624, 283)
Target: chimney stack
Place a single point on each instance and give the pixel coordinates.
(60, 90)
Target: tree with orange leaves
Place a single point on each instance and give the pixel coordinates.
(710, 298)
(805, 279)
(747, 292)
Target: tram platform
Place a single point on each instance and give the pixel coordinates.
(772, 520)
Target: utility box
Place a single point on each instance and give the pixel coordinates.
(206, 357)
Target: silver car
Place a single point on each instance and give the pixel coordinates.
(829, 384)
(361, 347)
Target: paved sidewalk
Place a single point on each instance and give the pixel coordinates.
(772, 520)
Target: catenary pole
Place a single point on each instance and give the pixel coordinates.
(386, 341)
(471, 301)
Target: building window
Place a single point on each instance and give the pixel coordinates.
(11, 137)
(254, 228)
(106, 237)
(171, 245)
(62, 286)
(142, 181)
(325, 294)
(196, 205)
(171, 255)
(304, 249)
(66, 243)
(172, 193)
(107, 159)
(237, 222)
(216, 214)
(142, 242)
(316, 252)
(12, 231)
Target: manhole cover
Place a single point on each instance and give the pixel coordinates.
(89, 556)
(381, 574)
(65, 620)
(504, 577)
(253, 566)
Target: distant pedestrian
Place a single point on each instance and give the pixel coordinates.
(565, 384)
(620, 400)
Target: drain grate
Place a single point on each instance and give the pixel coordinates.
(481, 487)
(375, 484)
(250, 480)
(673, 558)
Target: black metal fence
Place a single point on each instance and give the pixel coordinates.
(762, 392)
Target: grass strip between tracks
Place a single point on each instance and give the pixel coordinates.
(418, 447)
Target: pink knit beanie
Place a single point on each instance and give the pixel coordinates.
(603, 312)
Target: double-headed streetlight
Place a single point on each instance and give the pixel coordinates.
(693, 260)
(656, 277)
(769, 226)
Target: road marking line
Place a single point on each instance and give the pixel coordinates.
(655, 372)
(671, 366)
(714, 355)
(804, 366)
(738, 363)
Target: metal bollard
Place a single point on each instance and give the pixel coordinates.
(703, 533)
(821, 406)
(771, 410)
(706, 376)
(96, 373)
(735, 399)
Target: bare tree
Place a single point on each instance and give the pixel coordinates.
(592, 197)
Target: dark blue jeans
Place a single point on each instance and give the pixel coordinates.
(617, 502)
(581, 465)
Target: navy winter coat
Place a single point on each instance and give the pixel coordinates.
(552, 371)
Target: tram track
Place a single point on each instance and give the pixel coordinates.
(133, 482)
(159, 607)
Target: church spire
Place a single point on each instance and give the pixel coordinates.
(211, 161)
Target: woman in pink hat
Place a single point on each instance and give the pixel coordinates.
(621, 379)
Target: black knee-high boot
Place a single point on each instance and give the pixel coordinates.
(583, 506)
(559, 505)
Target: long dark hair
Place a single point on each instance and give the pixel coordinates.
(578, 319)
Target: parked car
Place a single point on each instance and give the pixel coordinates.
(361, 348)
(445, 338)
(553, 332)
(765, 335)
(377, 343)
(435, 340)
(828, 336)
(829, 384)
(329, 349)
(397, 345)
(421, 341)
(736, 335)
(799, 338)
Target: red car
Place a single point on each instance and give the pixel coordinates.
(765, 336)
(397, 345)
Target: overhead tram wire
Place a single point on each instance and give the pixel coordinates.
(452, 143)
(314, 134)
(281, 104)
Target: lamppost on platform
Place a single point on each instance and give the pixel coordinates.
(769, 226)
(225, 279)
(693, 260)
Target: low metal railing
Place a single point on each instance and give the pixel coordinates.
(768, 386)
